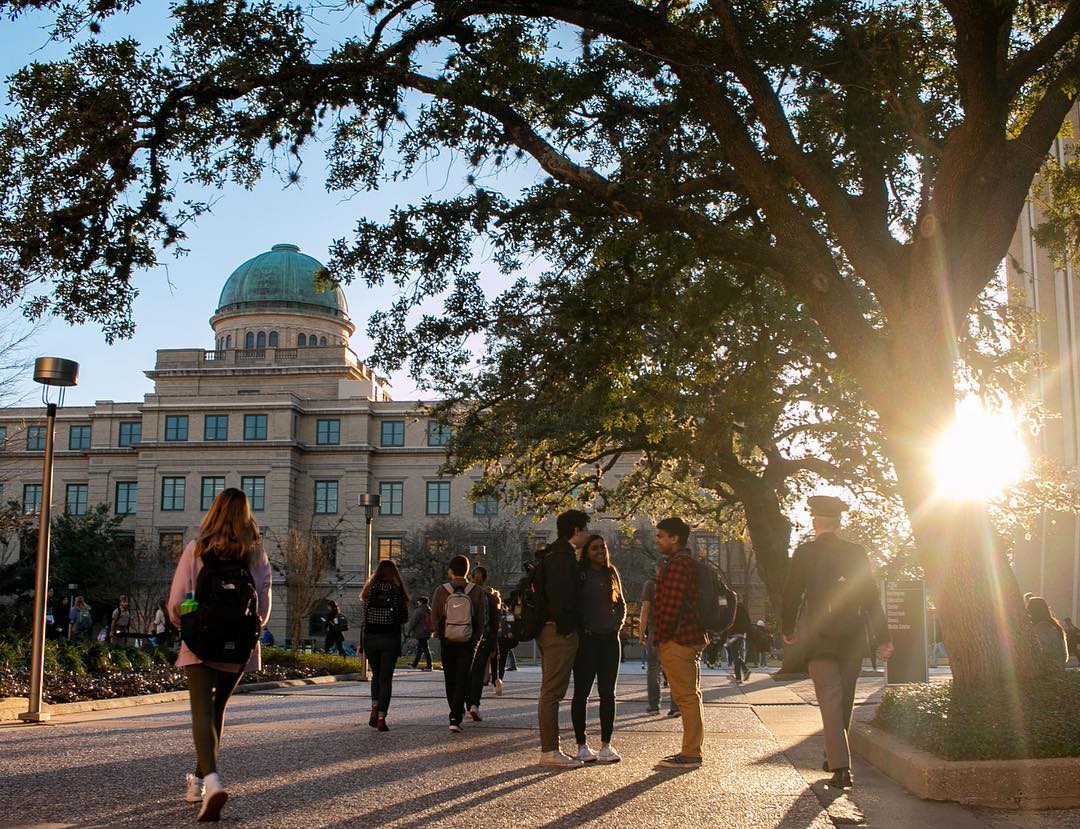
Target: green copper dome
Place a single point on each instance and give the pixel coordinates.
(281, 275)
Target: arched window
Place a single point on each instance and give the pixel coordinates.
(272, 342)
(322, 340)
(301, 340)
(228, 341)
(260, 341)
(313, 340)
(249, 340)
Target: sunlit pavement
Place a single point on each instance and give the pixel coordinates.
(306, 757)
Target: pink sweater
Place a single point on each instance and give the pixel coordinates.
(187, 572)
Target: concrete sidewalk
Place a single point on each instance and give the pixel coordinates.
(305, 757)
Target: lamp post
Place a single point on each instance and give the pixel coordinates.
(370, 503)
(48, 371)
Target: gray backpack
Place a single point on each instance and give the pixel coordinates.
(459, 613)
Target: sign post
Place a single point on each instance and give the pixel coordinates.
(905, 609)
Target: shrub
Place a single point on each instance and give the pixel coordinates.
(98, 656)
(13, 653)
(70, 657)
(138, 657)
(319, 662)
(1037, 720)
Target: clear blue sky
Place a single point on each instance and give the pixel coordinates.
(176, 301)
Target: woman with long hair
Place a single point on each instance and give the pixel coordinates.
(1055, 651)
(227, 537)
(386, 609)
(602, 611)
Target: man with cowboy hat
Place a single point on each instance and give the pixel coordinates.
(832, 578)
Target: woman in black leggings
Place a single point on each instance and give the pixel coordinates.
(602, 610)
(386, 609)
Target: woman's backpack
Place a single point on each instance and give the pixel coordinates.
(225, 626)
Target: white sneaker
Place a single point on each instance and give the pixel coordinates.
(608, 755)
(586, 754)
(194, 792)
(214, 797)
(558, 760)
(498, 687)
(455, 728)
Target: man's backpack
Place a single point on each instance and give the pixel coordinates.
(527, 606)
(716, 601)
(225, 626)
(459, 613)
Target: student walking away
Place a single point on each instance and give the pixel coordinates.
(457, 610)
(162, 630)
(420, 628)
(602, 611)
(557, 578)
(81, 621)
(832, 580)
(738, 636)
(219, 599)
(62, 617)
(681, 637)
(762, 641)
(336, 624)
(505, 644)
(386, 610)
(485, 647)
(1053, 643)
(649, 654)
(120, 622)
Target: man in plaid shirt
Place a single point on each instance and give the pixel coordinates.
(681, 637)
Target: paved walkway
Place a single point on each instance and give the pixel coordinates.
(305, 757)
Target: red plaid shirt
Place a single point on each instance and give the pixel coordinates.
(675, 609)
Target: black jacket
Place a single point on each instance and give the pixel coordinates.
(833, 578)
(560, 578)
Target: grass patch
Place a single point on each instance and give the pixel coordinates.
(988, 723)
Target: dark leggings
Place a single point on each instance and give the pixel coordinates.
(597, 660)
(506, 650)
(208, 690)
(383, 650)
(480, 664)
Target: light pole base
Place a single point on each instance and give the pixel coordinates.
(35, 716)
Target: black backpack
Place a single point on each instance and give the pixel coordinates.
(341, 622)
(225, 627)
(527, 605)
(716, 601)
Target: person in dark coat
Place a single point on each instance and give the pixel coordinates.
(830, 578)
(335, 629)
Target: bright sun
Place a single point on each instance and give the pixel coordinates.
(981, 453)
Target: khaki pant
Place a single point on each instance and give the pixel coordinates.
(834, 685)
(682, 664)
(557, 654)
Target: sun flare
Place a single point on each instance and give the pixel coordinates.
(981, 453)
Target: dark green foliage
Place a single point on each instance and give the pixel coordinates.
(84, 551)
(1038, 720)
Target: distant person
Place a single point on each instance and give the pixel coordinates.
(161, 628)
(62, 617)
(485, 647)
(649, 655)
(420, 628)
(458, 612)
(50, 618)
(227, 553)
(737, 637)
(336, 625)
(1053, 646)
(505, 644)
(762, 642)
(267, 638)
(602, 611)
(680, 638)
(833, 578)
(82, 621)
(558, 578)
(120, 622)
(386, 610)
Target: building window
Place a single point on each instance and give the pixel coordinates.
(312, 340)
(35, 438)
(273, 340)
(391, 495)
(228, 341)
(438, 498)
(488, 505)
(255, 427)
(172, 494)
(31, 498)
(176, 427)
(3, 435)
(126, 495)
(260, 340)
(170, 545)
(255, 489)
(79, 437)
(75, 497)
(210, 489)
(322, 340)
(216, 427)
(389, 548)
(249, 340)
(130, 433)
(328, 547)
(328, 432)
(326, 497)
(301, 341)
(438, 434)
(393, 433)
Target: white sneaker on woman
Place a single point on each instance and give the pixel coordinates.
(214, 797)
(608, 755)
(194, 792)
(586, 754)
